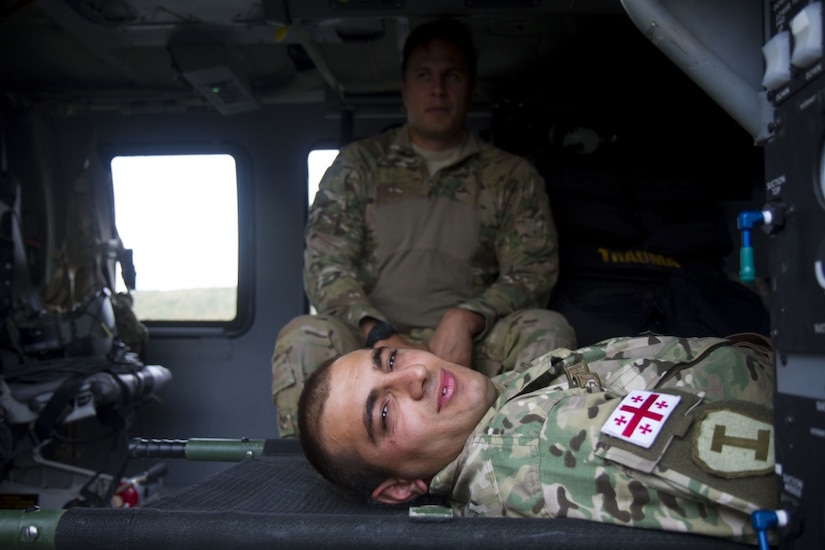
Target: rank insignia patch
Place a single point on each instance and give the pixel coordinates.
(734, 441)
(640, 417)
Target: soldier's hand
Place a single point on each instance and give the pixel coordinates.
(453, 338)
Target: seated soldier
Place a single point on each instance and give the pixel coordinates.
(427, 237)
(652, 431)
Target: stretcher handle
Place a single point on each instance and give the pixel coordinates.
(205, 449)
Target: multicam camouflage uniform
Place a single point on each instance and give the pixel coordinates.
(387, 240)
(539, 451)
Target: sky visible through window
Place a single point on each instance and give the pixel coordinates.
(179, 214)
(317, 162)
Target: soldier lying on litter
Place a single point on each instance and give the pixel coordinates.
(652, 431)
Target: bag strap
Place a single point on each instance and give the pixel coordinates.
(750, 339)
(757, 344)
(22, 288)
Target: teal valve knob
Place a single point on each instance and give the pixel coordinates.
(747, 271)
(745, 222)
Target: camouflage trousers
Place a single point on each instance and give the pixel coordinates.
(308, 341)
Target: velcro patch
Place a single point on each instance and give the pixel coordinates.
(640, 417)
(734, 439)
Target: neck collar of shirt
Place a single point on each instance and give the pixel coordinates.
(510, 384)
(471, 145)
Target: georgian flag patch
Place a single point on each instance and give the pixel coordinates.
(640, 417)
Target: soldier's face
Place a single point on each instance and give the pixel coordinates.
(405, 410)
(437, 92)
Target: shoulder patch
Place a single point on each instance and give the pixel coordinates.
(734, 439)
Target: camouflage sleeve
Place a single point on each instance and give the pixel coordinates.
(334, 236)
(526, 245)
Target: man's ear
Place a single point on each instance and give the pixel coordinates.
(396, 491)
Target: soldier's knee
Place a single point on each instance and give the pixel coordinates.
(307, 338)
(304, 344)
(305, 324)
(540, 319)
(548, 325)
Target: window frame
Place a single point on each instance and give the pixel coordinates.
(245, 304)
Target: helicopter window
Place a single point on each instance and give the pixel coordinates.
(179, 215)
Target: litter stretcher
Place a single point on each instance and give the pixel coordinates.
(272, 498)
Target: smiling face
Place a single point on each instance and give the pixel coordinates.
(437, 90)
(404, 410)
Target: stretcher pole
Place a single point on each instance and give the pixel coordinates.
(202, 449)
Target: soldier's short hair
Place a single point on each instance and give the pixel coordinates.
(449, 30)
(345, 470)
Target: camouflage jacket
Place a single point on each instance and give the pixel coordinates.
(540, 452)
(386, 240)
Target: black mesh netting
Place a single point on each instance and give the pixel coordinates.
(278, 501)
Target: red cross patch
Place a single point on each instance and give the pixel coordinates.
(640, 417)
